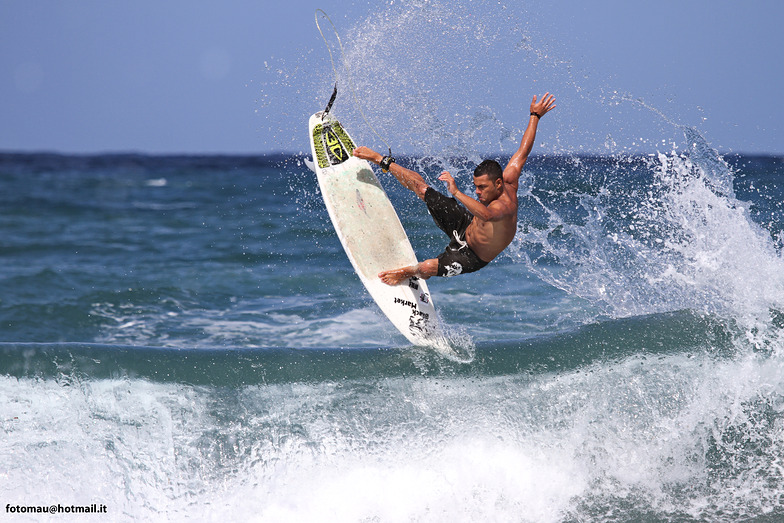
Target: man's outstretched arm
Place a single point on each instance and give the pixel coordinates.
(516, 163)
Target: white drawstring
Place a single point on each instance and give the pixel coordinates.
(462, 243)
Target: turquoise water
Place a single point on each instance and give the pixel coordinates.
(183, 338)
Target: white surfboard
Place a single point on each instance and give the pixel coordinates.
(370, 231)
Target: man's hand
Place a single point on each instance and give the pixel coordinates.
(450, 182)
(366, 153)
(544, 106)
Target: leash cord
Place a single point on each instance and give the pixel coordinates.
(348, 76)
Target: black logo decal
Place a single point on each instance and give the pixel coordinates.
(337, 153)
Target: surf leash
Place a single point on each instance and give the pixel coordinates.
(331, 101)
(348, 76)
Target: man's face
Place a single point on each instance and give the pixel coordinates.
(486, 190)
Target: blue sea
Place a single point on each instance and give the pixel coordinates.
(182, 338)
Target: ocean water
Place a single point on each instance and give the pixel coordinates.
(182, 338)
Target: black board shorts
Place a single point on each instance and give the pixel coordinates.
(452, 218)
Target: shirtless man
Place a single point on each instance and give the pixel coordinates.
(479, 229)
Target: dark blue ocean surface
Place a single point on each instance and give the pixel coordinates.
(184, 338)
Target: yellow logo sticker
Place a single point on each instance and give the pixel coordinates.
(334, 145)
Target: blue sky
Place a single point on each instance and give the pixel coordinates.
(243, 76)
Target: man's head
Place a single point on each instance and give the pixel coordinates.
(489, 181)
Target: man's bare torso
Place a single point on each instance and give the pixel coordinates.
(489, 238)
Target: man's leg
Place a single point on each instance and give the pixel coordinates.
(423, 270)
(409, 179)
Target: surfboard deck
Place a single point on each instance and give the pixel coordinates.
(370, 231)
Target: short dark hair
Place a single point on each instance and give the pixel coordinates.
(491, 168)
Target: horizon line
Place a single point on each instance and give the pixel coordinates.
(128, 153)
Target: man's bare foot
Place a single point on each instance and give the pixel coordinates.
(394, 277)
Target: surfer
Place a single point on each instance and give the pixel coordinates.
(479, 229)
